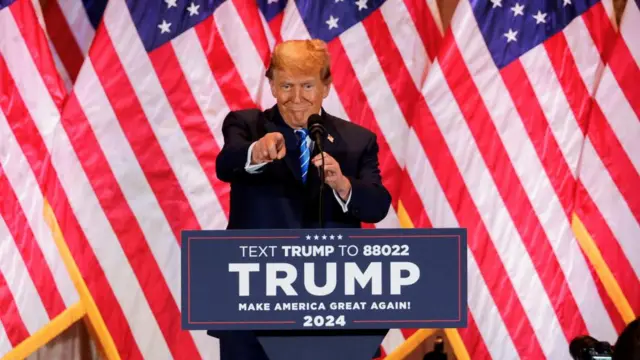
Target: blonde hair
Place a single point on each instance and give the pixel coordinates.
(301, 57)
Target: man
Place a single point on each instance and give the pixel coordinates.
(270, 186)
(273, 165)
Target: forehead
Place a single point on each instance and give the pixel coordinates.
(295, 77)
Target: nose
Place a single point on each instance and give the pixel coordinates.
(297, 95)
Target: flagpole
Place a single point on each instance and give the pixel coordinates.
(93, 318)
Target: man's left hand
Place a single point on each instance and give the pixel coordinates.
(333, 175)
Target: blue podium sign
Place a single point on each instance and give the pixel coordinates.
(324, 279)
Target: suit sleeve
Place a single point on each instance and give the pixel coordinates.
(232, 159)
(370, 200)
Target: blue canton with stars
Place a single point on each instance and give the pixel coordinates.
(327, 19)
(513, 27)
(5, 3)
(271, 8)
(161, 21)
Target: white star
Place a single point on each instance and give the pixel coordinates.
(332, 237)
(272, 2)
(339, 237)
(308, 237)
(540, 17)
(511, 36)
(315, 237)
(193, 9)
(496, 3)
(362, 4)
(566, 2)
(518, 9)
(171, 3)
(324, 237)
(337, 1)
(332, 22)
(164, 27)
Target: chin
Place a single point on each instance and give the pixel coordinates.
(300, 119)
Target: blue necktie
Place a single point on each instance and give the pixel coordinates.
(304, 152)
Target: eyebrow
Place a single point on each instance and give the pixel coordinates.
(306, 82)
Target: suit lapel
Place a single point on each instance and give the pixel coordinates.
(331, 142)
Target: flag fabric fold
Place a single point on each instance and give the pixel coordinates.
(607, 201)
(35, 287)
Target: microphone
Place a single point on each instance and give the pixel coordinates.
(316, 129)
(317, 132)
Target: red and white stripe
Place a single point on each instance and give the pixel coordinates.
(250, 61)
(608, 198)
(34, 284)
(503, 147)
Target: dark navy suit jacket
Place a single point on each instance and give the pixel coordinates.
(276, 198)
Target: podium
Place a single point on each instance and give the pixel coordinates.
(323, 293)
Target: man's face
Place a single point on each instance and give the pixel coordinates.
(298, 96)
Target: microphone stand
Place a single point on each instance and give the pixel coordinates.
(322, 177)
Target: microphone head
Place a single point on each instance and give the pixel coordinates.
(315, 125)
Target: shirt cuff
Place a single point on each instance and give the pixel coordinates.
(252, 169)
(343, 204)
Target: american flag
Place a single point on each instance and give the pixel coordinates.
(504, 114)
(35, 287)
(140, 131)
(608, 203)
